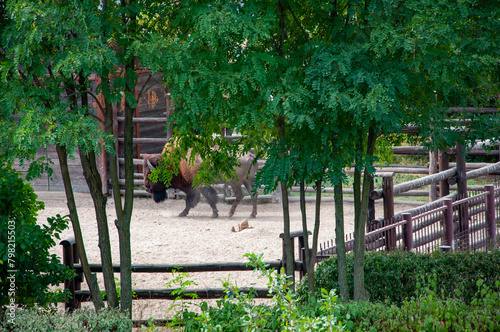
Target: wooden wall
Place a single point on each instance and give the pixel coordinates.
(55, 183)
(152, 104)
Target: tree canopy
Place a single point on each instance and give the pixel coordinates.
(311, 85)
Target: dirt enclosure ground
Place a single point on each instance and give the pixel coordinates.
(159, 236)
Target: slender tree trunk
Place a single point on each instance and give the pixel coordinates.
(314, 250)
(73, 214)
(360, 293)
(120, 222)
(113, 166)
(290, 264)
(340, 242)
(357, 208)
(124, 224)
(123, 212)
(93, 179)
(310, 286)
(284, 188)
(357, 190)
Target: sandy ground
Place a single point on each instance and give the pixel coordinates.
(159, 236)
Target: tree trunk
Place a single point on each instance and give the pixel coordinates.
(73, 214)
(290, 264)
(290, 271)
(120, 222)
(310, 273)
(93, 179)
(360, 293)
(340, 242)
(124, 223)
(314, 250)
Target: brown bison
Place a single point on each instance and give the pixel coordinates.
(184, 181)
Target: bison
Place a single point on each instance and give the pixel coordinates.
(185, 178)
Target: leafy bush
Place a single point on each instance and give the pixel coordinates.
(238, 311)
(78, 320)
(428, 312)
(393, 276)
(24, 246)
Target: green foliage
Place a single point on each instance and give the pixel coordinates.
(80, 320)
(238, 311)
(47, 45)
(118, 290)
(313, 84)
(54, 54)
(24, 245)
(305, 81)
(394, 276)
(428, 311)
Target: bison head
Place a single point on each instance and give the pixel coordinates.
(158, 190)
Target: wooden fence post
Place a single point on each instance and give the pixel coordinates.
(463, 217)
(69, 260)
(408, 232)
(302, 257)
(371, 207)
(490, 216)
(433, 169)
(448, 224)
(444, 164)
(302, 254)
(388, 194)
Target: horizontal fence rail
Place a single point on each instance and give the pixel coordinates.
(201, 267)
(172, 294)
(71, 259)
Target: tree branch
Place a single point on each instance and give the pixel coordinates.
(139, 95)
(298, 23)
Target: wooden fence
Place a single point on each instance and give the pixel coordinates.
(468, 223)
(71, 259)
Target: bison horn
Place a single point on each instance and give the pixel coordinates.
(151, 167)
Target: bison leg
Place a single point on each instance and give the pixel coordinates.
(192, 199)
(254, 198)
(238, 193)
(211, 195)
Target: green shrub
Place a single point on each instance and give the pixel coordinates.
(79, 320)
(428, 312)
(27, 269)
(393, 276)
(238, 311)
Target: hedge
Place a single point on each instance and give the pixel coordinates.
(393, 276)
(81, 320)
